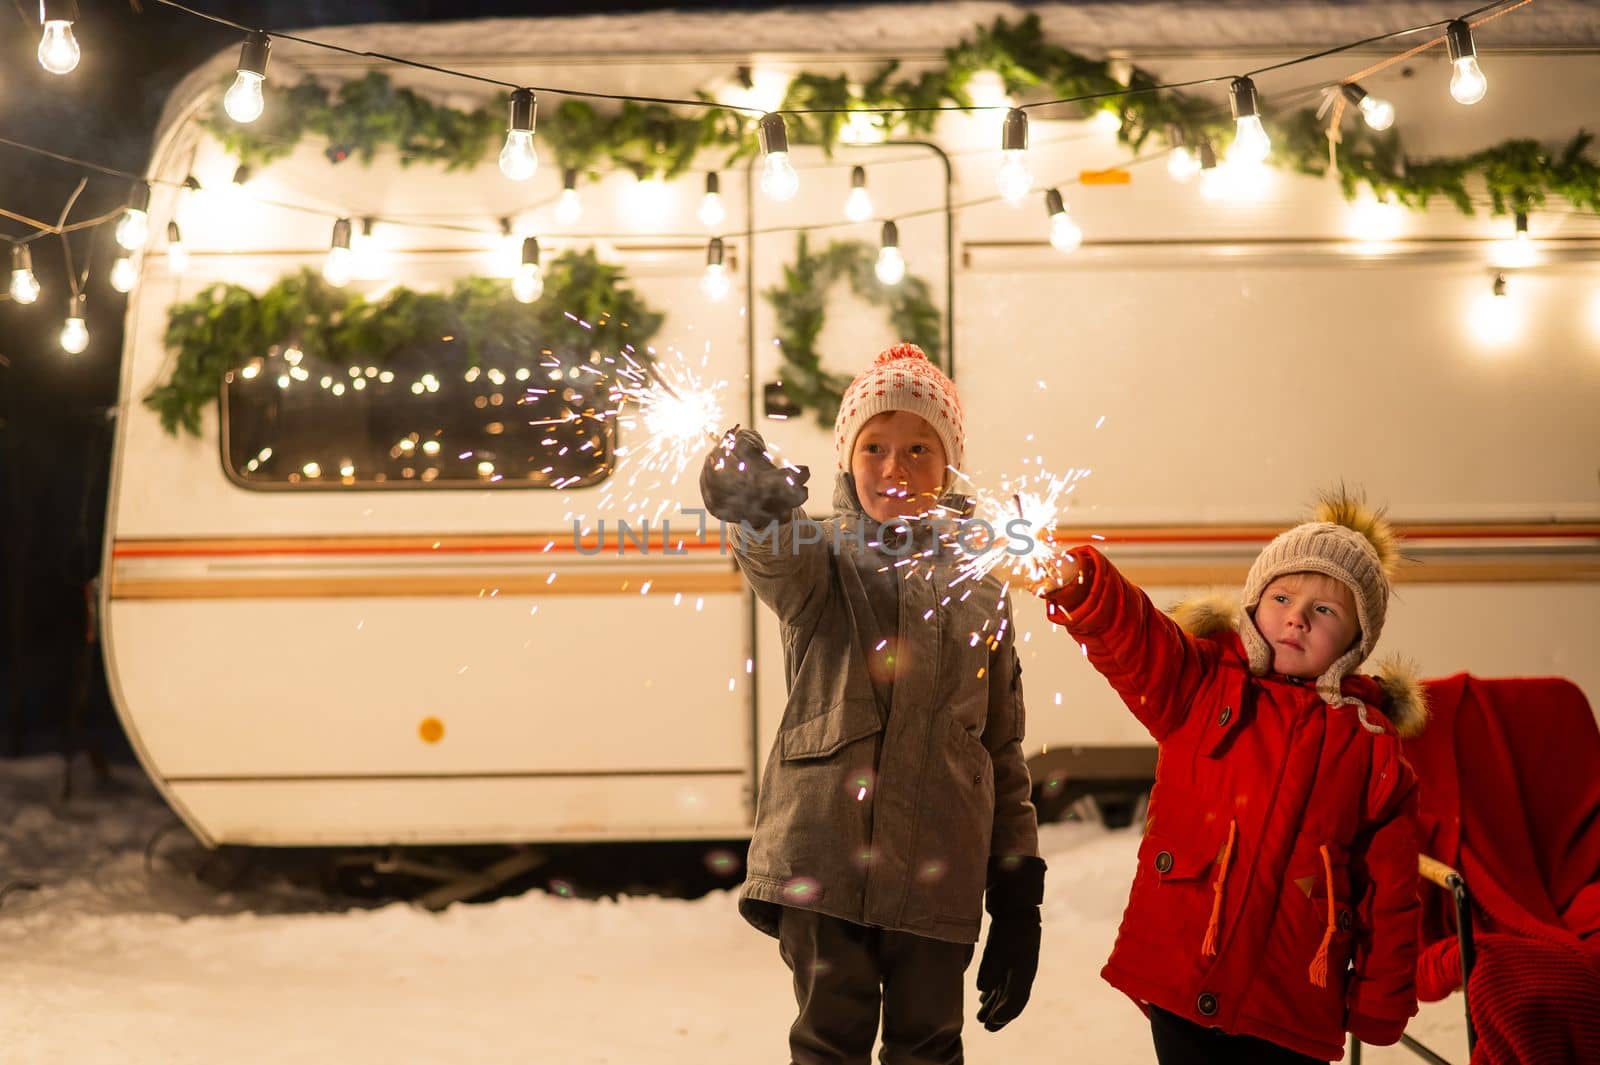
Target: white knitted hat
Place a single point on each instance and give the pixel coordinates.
(1347, 542)
(901, 378)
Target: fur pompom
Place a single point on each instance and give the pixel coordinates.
(1342, 507)
(1407, 699)
(1206, 615)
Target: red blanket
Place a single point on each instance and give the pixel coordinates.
(1509, 794)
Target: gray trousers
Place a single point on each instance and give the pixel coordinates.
(845, 974)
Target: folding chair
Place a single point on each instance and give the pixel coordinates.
(1526, 833)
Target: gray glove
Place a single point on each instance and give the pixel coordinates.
(740, 483)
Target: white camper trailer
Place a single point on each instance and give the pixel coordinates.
(314, 658)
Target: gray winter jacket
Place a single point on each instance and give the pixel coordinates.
(884, 815)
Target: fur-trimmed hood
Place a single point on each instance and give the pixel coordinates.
(1405, 701)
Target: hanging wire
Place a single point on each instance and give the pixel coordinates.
(1496, 9)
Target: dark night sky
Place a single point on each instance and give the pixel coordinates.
(54, 433)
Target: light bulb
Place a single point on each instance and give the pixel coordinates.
(858, 205)
(1495, 319)
(24, 285)
(711, 211)
(714, 282)
(1182, 164)
(569, 208)
(1379, 114)
(59, 52)
(177, 252)
(1250, 141)
(1064, 232)
(340, 264)
(133, 231)
(244, 100)
(124, 274)
(75, 333)
(1467, 83)
(1013, 177)
(529, 283)
(338, 267)
(518, 160)
(778, 178)
(649, 199)
(891, 266)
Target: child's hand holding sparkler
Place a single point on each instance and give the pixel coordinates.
(741, 483)
(1055, 569)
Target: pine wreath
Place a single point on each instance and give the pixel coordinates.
(800, 303)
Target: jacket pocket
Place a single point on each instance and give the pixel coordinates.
(1318, 930)
(1173, 856)
(829, 731)
(1170, 905)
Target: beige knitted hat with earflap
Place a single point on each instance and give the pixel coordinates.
(1347, 542)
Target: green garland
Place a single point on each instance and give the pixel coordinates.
(800, 303)
(227, 325)
(370, 113)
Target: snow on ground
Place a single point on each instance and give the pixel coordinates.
(116, 958)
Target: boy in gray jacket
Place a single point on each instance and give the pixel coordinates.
(895, 802)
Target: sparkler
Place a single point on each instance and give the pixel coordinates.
(1023, 515)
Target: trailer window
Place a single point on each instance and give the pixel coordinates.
(428, 419)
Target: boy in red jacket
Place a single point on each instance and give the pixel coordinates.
(1275, 903)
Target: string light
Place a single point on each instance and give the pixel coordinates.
(1250, 141)
(1378, 113)
(1519, 251)
(714, 282)
(340, 264)
(133, 231)
(75, 332)
(124, 274)
(1182, 164)
(711, 211)
(858, 205)
(244, 101)
(1014, 179)
(1467, 83)
(58, 48)
(518, 160)
(1494, 317)
(1064, 232)
(569, 208)
(891, 265)
(778, 178)
(529, 282)
(24, 286)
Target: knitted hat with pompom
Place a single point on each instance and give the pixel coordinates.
(1346, 541)
(901, 378)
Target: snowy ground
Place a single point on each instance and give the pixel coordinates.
(118, 958)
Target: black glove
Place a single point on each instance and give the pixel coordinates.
(1011, 954)
(740, 483)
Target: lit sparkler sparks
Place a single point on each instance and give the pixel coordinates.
(1023, 515)
(677, 412)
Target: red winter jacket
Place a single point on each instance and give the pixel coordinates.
(1276, 894)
